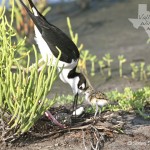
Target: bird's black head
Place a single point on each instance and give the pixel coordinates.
(82, 83)
(80, 87)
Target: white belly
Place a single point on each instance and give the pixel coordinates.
(47, 54)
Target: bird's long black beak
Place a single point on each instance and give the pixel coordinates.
(75, 102)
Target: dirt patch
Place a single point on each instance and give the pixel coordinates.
(112, 130)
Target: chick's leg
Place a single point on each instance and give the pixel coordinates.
(96, 111)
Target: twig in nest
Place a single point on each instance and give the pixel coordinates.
(95, 135)
(40, 68)
(83, 133)
(31, 67)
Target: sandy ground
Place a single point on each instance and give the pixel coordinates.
(104, 28)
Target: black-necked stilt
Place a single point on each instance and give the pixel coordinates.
(96, 98)
(49, 37)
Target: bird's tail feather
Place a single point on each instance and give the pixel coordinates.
(33, 17)
(31, 4)
(36, 15)
(35, 11)
(27, 9)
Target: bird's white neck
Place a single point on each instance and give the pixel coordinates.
(73, 82)
(87, 97)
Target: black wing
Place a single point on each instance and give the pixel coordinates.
(53, 36)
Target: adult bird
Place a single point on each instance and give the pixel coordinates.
(49, 39)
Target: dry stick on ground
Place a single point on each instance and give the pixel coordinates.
(83, 135)
(99, 139)
(31, 67)
(79, 128)
(89, 126)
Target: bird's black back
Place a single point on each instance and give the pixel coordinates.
(54, 37)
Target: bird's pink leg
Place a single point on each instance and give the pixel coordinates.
(51, 117)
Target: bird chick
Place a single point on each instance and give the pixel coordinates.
(96, 98)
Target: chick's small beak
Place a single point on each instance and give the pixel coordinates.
(86, 88)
